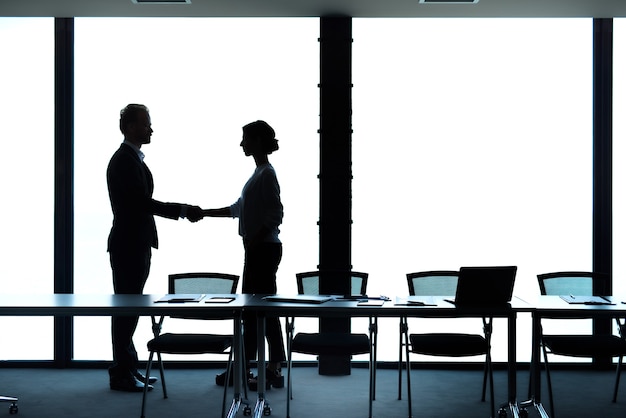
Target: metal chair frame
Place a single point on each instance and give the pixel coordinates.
(358, 287)
(447, 286)
(193, 283)
(582, 284)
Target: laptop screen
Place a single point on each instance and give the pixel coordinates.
(485, 285)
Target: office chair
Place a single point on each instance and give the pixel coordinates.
(172, 343)
(442, 283)
(579, 283)
(331, 343)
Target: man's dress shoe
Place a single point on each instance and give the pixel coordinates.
(127, 384)
(139, 376)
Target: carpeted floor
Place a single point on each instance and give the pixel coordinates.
(84, 393)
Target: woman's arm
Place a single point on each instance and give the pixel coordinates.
(217, 213)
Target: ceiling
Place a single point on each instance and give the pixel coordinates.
(315, 8)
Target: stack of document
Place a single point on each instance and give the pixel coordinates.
(416, 301)
(586, 300)
(180, 298)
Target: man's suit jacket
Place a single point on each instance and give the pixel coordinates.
(130, 186)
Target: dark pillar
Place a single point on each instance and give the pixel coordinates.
(63, 181)
(602, 158)
(335, 173)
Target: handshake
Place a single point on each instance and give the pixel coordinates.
(194, 213)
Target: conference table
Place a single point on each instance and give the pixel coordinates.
(146, 305)
(338, 307)
(143, 305)
(555, 307)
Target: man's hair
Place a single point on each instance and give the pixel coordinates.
(130, 114)
(265, 133)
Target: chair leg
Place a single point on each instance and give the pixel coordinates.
(549, 380)
(228, 369)
(617, 376)
(485, 376)
(162, 373)
(145, 388)
(487, 329)
(491, 394)
(408, 367)
(400, 361)
(289, 327)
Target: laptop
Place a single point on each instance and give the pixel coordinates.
(485, 285)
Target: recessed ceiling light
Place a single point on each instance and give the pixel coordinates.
(161, 1)
(448, 1)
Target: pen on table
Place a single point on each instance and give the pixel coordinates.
(571, 296)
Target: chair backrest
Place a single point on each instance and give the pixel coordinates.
(309, 283)
(578, 283)
(433, 283)
(192, 283)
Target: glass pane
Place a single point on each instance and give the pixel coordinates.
(27, 170)
(202, 80)
(471, 146)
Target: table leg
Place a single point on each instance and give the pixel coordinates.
(261, 408)
(535, 369)
(237, 366)
(536, 366)
(511, 406)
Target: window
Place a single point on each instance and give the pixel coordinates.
(472, 146)
(27, 170)
(202, 79)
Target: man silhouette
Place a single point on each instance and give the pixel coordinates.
(132, 237)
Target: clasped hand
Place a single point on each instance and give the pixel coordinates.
(194, 213)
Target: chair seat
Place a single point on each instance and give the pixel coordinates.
(330, 343)
(190, 343)
(585, 345)
(448, 345)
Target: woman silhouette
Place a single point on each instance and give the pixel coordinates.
(260, 213)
